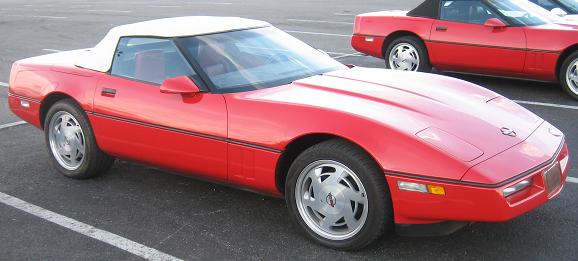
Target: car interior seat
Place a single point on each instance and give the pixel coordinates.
(150, 66)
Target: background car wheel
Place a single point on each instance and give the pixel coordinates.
(569, 75)
(338, 195)
(407, 53)
(71, 142)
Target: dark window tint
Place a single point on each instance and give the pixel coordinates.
(149, 59)
(547, 4)
(472, 12)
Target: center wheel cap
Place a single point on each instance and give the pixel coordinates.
(331, 200)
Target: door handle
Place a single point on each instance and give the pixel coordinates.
(108, 92)
(441, 28)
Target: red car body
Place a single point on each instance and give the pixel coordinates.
(418, 127)
(529, 52)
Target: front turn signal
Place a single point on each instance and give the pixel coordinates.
(423, 188)
(436, 190)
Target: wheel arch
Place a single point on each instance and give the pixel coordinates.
(397, 34)
(300, 144)
(567, 52)
(50, 100)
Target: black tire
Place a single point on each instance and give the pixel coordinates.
(95, 162)
(424, 64)
(569, 87)
(380, 212)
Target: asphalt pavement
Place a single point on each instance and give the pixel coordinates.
(194, 220)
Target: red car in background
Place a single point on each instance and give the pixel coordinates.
(509, 38)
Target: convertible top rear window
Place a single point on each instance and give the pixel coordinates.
(427, 9)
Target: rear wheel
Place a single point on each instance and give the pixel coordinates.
(71, 142)
(407, 53)
(569, 75)
(338, 196)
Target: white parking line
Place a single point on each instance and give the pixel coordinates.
(36, 16)
(108, 11)
(347, 55)
(343, 14)
(548, 104)
(3, 84)
(165, 6)
(318, 21)
(317, 33)
(210, 3)
(87, 230)
(52, 50)
(572, 180)
(8, 125)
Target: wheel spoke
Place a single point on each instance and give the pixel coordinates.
(353, 195)
(316, 181)
(62, 151)
(349, 217)
(334, 177)
(329, 221)
(574, 77)
(316, 205)
(64, 122)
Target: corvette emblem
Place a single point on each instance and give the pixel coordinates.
(331, 200)
(508, 132)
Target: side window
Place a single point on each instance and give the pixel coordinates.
(471, 12)
(149, 59)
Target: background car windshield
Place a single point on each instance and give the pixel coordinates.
(522, 12)
(255, 59)
(548, 4)
(571, 5)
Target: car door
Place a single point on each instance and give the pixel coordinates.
(461, 42)
(132, 119)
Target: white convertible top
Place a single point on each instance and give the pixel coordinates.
(100, 57)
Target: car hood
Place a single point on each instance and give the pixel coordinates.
(460, 118)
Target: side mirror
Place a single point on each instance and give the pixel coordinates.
(559, 12)
(495, 23)
(180, 85)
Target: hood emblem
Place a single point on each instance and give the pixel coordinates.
(508, 132)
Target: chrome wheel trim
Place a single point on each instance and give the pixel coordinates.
(404, 57)
(66, 140)
(572, 76)
(331, 200)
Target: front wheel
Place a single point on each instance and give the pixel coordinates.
(569, 75)
(338, 196)
(407, 53)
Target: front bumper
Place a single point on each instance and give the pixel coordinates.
(466, 201)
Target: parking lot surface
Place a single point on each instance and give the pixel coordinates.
(193, 220)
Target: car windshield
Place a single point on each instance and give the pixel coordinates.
(571, 5)
(255, 59)
(522, 12)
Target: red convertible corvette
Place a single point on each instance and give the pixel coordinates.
(509, 38)
(352, 150)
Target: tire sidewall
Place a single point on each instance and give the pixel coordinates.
(424, 64)
(563, 74)
(379, 212)
(89, 144)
